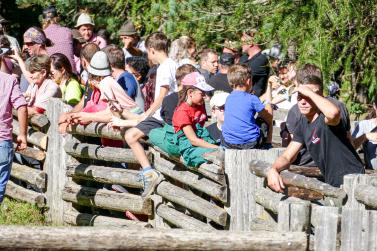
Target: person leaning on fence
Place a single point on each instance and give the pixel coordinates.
(240, 129)
(11, 97)
(191, 137)
(323, 131)
(217, 104)
(365, 134)
(157, 46)
(61, 71)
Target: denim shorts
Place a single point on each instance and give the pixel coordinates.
(6, 157)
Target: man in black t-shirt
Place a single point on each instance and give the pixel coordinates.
(220, 80)
(256, 61)
(324, 133)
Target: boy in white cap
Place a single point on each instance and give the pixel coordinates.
(217, 104)
(85, 26)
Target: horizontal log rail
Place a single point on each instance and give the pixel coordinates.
(33, 137)
(38, 120)
(191, 201)
(22, 194)
(97, 130)
(101, 198)
(32, 153)
(107, 238)
(191, 179)
(367, 195)
(269, 199)
(260, 169)
(103, 174)
(181, 220)
(73, 217)
(33, 176)
(91, 151)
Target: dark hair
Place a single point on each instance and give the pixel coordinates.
(182, 94)
(88, 51)
(60, 62)
(115, 56)
(158, 41)
(4, 42)
(238, 75)
(140, 64)
(39, 63)
(310, 74)
(182, 71)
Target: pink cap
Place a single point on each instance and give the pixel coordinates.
(196, 80)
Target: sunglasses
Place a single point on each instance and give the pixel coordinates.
(29, 43)
(220, 108)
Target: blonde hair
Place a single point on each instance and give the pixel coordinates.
(180, 48)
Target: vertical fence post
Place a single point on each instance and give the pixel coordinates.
(55, 164)
(326, 228)
(242, 185)
(293, 215)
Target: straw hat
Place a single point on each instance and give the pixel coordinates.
(99, 65)
(84, 19)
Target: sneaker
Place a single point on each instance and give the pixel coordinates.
(151, 178)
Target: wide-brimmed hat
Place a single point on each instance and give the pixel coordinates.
(99, 65)
(84, 19)
(196, 80)
(127, 29)
(3, 20)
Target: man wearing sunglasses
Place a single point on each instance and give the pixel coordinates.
(323, 131)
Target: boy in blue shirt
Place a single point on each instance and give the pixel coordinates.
(240, 129)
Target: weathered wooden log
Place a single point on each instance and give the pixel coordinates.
(219, 178)
(193, 180)
(30, 175)
(103, 174)
(293, 215)
(105, 199)
(181, 220)
(97, 130)
(268, 199)
(38, 120)
(367, 195)
(352, 229)
(19, 193)
(326, 228)
(192, 202)
(216, 157)
(32, 153)
(260, 169)
(73, 217)
(108, 238)
(34, 137)
(304, 193)
(308, 171)
(91, 151)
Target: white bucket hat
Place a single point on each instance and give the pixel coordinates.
(84, 19)
(99, 65)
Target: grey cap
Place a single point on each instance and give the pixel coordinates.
(3, 20)
(127, 29)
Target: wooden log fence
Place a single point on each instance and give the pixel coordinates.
(227, 193)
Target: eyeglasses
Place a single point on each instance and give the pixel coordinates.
(220, 108)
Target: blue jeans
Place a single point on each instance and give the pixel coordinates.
(6, 157)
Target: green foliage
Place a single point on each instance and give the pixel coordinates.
(18, 213)
(338, 35)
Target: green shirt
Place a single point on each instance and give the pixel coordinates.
(71, 91)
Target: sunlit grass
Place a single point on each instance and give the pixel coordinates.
(13, 212)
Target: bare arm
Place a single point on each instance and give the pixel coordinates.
(274, 179)
(194, 140)
(22, 65)
(22, 119)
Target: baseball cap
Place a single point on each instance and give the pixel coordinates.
(218, 99)
(226, 59)
(196, 80)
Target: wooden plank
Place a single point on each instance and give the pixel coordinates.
(326, 229)
(351, 234)
(260, 169)
(181, 220)
(97, 130)
(101, 198)
(103, 174)
(19, 193)
(372, 230)
(192, 202)
(33, 137)
(76, 218)
(91, 151)
(32, 153)
(107, 238)
(30, 175)
(193, 180)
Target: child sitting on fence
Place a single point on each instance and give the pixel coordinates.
(240, 129)
(157, 46)
(217, 105)
(191, 137)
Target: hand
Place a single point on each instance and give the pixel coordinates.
(305, 90)
(274, 81)
(115, 122)
(16, 56)
(21, 142)
(142, 117)
(275, 182)
(371, 136)
(81, 117)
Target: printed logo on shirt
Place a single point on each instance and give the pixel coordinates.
(315, 138)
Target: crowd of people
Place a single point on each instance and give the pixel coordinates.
(158, 91)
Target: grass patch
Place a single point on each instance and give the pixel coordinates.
(14, 212)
